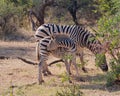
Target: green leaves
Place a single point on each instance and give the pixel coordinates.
(109, 24)
(100, 58)
(72, 90)
(68, 57)
(6, 8)
(110, 78)
(64, 77)
(106, 7)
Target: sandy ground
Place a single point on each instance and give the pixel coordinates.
(20, 78)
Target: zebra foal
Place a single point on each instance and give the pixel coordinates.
(58, 47)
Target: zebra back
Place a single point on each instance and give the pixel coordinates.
(79, 35)
(56, 46)
(61, 42)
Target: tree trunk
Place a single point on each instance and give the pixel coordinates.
(72, 8)
(38, 13)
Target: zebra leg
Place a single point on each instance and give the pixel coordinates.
(46, 70)
(40, 79)
(74, 63)
(70, 62)
(82, 61)
(68, 70)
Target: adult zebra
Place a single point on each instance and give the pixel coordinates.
(59, 47)
(79, 35)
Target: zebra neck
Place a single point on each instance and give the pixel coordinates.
(95, 47)
(90, 42)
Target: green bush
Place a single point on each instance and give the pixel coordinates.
(72, 90)
(108, 26)
(114, 74)
(12, 13)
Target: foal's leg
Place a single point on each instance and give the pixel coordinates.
(75, 64)
(46, 70)
(81, 54)
(68, 70)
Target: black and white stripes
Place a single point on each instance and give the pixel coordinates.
(58, 47)
(48, 44)
(80, 36)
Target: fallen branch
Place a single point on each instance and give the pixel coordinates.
(55, 62)
(20, 58)
(3, 57)
(26, 61)
(29, 62)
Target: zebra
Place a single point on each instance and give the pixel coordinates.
(45, 30)
(59, 47)
(79, 35)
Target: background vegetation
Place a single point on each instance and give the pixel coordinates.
(14, 14)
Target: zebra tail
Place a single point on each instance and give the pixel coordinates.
(37, 51)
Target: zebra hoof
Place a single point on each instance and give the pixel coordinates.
(45, 74)
(70, 73)
(70, 81)
(84, 70)
(80, 79)
(40, 82)
(49, 73)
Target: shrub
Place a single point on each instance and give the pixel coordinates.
(72, 90)
(108, 26)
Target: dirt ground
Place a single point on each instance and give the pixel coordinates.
(18, 78)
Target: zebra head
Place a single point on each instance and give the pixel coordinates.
(100, 56)
(52, 44)
(101, 62)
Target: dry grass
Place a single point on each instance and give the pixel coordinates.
(20, 79)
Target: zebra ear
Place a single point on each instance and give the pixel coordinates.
(106, 46)
(52, 43)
